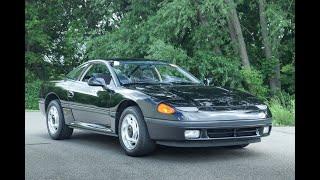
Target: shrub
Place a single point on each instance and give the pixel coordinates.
(29, 76)
(32, 95)
(223, 70)
(254, 80)
(162, 51)
(288, 78)
(282, 107)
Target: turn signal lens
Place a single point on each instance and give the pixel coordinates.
(165, 109)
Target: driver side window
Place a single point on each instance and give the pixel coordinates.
(99, 71)
(75, 73)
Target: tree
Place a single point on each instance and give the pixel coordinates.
(274, 80)
(212, 37)
(235, 31)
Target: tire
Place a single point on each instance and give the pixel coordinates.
(57, 129)
(238, 146)
(143, 144)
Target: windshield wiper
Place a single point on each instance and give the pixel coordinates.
(147, 83)
(183, 82)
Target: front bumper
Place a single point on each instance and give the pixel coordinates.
(171, 133)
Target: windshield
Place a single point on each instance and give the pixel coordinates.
(152, 73)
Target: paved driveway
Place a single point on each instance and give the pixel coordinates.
(93, 156)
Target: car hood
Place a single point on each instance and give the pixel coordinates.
(205, 97)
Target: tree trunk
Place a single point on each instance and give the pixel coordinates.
(204, 22)
(274, 80)
(236, 25)
(233, 36)
(217, 50)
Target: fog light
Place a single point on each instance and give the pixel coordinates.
(266, 130)
(191, 134)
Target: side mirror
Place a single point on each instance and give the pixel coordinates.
(93, 81)
(208, 81)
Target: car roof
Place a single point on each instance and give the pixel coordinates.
(131, 60)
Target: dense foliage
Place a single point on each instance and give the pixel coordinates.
(32, 93)
(243, 44)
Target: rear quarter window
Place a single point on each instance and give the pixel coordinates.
(75, 73)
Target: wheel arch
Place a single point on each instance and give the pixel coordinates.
(121, 107)
(49, 97)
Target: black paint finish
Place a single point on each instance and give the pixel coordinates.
(197, 106)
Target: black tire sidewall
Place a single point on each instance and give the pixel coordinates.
(61, 119)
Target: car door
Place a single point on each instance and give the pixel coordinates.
(90, 104)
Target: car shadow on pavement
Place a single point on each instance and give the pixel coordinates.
(88, 139)
(98, 141)
(201, 154)
(163, 153)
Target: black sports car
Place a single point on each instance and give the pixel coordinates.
(147, 102)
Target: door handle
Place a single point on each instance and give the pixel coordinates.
(70, 94)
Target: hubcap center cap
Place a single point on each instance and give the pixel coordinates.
(53, 119)
(130, 131)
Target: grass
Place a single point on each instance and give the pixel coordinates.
(282, 108)
(31, 110)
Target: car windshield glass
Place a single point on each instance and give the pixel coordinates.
(152, 73)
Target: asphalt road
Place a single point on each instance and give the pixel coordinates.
(93, 156)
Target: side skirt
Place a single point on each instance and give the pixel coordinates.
(93, 128)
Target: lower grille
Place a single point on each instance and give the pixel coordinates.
(233, 132)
